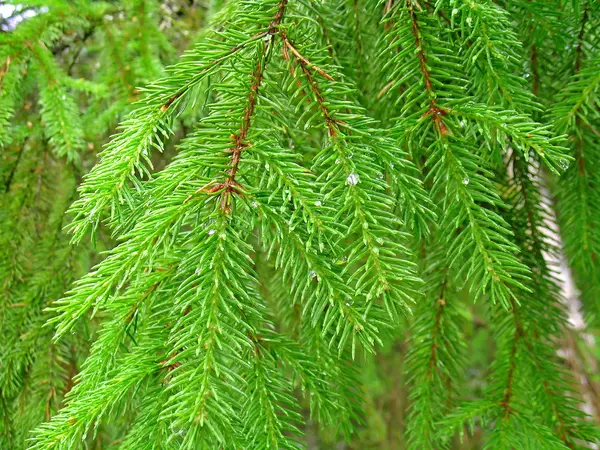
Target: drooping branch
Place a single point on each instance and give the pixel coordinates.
(230, 185)
(435, 112)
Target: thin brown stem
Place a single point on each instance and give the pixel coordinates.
(508, 391)
(535, 69)
(230, 185)
(305, 67)
(579, 50)
(434, 111)
(331, 122)
(305, 61)
(441, 304)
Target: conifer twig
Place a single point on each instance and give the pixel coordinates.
(302, 59)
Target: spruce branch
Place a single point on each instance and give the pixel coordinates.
(374, 280)
(453, 170)
(147, 128)
(576, 114)
(308, 180)
(435, 359)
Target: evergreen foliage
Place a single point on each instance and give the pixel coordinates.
(325, 221)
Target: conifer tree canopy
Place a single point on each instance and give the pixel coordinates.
(273, 224)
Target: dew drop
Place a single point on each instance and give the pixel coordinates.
(211, 231)
(352, 179)
(466, 181)
(318, 203)
(454, 11)
(343, 260)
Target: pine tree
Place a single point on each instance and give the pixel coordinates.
(323, 222)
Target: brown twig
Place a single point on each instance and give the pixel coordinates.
(434, 111)
(578, 62)
(579, 50)
(305, 61)
(230, 185)
(508, 391)
(441, 304)
(330, 121)
(4, 70)
(535, 69)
